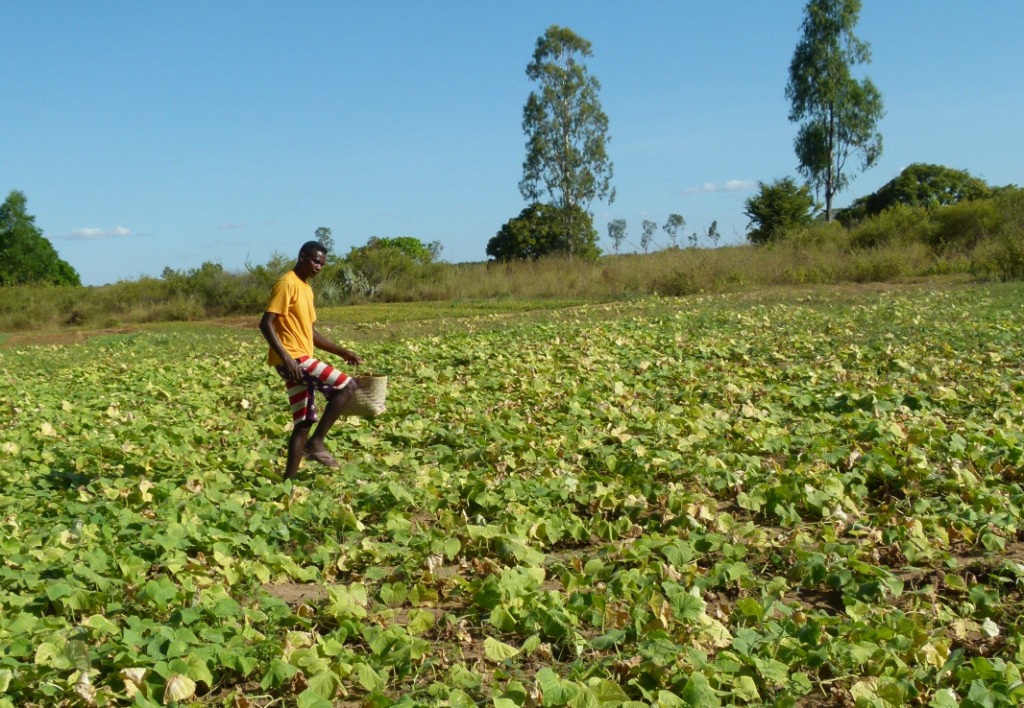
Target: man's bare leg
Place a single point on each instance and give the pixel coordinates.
(335, 404)
(296, 446)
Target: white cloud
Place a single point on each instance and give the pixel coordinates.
(94, 234)
(739, 185)
(733, 185)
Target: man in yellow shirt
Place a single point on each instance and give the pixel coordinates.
(288, 327)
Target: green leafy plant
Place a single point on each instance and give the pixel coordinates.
(713, 500)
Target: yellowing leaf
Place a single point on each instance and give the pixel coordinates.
(936, 653)
(714, 632)
(144, 486)
(49, 654)
(85, 690)
(134, 679)
(179, 688)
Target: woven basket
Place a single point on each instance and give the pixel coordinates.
(368, 397)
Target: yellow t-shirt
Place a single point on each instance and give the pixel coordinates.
(292, 301)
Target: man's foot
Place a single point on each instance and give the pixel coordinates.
(322, 456)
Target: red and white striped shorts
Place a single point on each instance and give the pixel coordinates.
(316, 376)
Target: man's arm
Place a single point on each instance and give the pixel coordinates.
(291, 366)
(322, 342)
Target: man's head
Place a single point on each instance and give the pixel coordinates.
(312, 257)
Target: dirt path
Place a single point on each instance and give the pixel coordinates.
(64, 337)
(60, 338)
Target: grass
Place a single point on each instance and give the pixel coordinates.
(979, 241)
(370, 323)
(476, 288)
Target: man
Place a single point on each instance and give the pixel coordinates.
(287, 325)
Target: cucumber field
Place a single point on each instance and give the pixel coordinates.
(792, 498)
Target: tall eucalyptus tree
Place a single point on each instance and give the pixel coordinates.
(567, 134)
(838, 114)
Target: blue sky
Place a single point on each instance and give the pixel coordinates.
(147, 135)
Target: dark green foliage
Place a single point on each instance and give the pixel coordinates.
(777, 208)
(920, 185)
(26, 256)
(539, 231)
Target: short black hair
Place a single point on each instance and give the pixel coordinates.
(311, 247)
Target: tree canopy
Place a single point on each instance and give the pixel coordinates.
(673, 225)
(26, 256)
(776, 208)
(382, 260)
(647, 229)
(617, 232)
(922, 185)
(412, 248)
(322, 235)
(838, 114)
(566, 130)
(539, 231)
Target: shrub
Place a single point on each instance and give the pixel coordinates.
(540, 230)
(384, 262)
(1002, 257)
(898, 224)
(888, 263)
(961, 227)
(678, 284)
(817, 235)
(36, 306)
(923, 185)
(220, 292)
(778, 208)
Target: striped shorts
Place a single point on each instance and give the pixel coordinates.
(317, 376)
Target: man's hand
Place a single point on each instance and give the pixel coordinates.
(322, 342)
(292, 370)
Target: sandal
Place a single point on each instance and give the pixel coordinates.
(322, 456)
